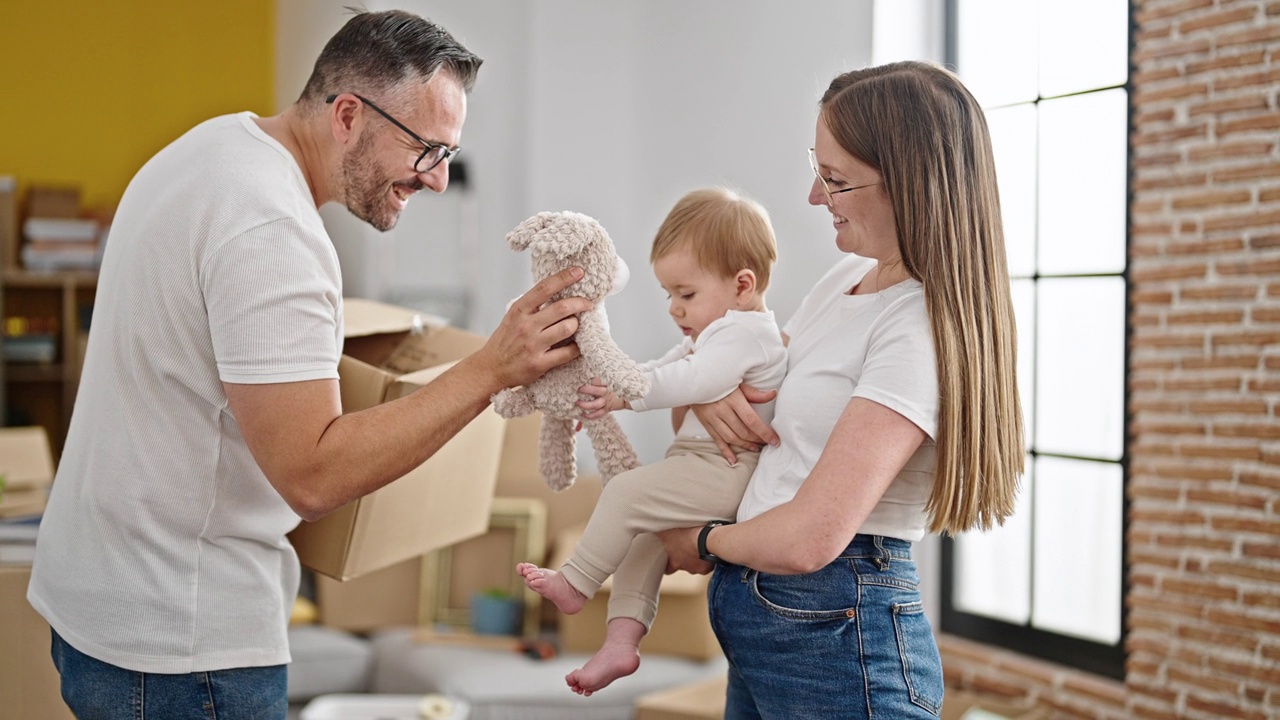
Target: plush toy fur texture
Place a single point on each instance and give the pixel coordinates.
(557, 241)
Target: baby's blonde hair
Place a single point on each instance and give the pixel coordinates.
(725, 232)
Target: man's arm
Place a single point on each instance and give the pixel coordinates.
(319, 459)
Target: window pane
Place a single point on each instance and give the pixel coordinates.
(1068, 63)
(993, 569)
(1013, 142)
(1024, 312)
(1080, 367)
(996, 50)
(1082, 183)
(1078, 513)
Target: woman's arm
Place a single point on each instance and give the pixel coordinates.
(867, 449)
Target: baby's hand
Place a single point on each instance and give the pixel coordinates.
(600, 400)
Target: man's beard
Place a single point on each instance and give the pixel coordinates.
(367, 188)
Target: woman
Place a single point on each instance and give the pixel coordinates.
(899, 414)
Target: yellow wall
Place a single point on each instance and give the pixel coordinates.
(91, 89)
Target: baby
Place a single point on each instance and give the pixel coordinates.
(712, 255)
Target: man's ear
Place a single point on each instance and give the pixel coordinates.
(744, 283)
(342, 118)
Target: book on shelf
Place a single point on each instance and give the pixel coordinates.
(55, 230)
(54, 244)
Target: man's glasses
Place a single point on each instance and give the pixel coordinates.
(433, 153)
(813, 163)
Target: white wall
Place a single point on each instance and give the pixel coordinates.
(615, 110)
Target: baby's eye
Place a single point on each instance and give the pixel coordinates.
(687, 296)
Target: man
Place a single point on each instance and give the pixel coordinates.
(208, 420)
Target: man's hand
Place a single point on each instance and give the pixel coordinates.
(523, 347)
(682, 551)
(733, 423)
(602, 401)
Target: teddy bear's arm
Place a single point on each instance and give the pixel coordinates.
(607, 361)
(514, 402)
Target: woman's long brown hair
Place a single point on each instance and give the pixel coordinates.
(918, 125)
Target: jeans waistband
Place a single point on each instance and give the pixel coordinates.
(878, 546)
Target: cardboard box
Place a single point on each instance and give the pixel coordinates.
(390, 597)
(30, 688)
(964, 705)
(437, 587)
(389, 353)
(682, 627)
(395, 596)
(697, 701)
(23, 503)
(26, 460)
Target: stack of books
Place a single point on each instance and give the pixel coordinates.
(62, 244)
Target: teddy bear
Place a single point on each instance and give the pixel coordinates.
(559, 240)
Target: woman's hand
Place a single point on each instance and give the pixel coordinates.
(602, 401)
(733, 423)
(682, 551)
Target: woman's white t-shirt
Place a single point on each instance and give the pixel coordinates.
(877, 346)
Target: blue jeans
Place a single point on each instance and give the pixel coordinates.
(849, 641)
(95, 690)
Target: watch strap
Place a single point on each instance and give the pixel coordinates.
(703, 553)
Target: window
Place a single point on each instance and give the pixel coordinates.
(1053, 78)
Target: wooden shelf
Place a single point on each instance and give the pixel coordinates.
(23, 373)
(36, 279)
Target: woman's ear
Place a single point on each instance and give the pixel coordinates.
(745, 284)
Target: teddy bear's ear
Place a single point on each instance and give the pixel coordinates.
(524, 233)
(568, 234)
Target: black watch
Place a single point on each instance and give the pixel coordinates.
(702, 541)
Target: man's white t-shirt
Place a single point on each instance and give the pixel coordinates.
(163, 547)
(741, 346)
(877, 346)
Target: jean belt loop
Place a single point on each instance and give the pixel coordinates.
(882, 555)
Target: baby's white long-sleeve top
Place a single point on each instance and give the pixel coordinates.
(741, 347)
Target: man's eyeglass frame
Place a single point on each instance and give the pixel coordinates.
(427, 145)
(813, 163)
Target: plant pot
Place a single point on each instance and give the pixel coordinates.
(494, 615)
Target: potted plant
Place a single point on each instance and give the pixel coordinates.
(494, 611)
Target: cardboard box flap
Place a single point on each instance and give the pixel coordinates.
(432, 347)
(25, 458)
(362, 317)
(410, 382)
(362, 385)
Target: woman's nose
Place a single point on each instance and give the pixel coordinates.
(816, 196)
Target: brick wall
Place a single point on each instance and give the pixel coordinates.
(1204, 489)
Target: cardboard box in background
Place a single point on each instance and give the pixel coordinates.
(29, 685)
(26, 462)
(697, 701)
(390, 597)
(389, 352)
(682, 627)
(964, 705)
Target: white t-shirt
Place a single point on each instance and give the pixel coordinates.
(741, 346)
(878, 347)
(163, 546)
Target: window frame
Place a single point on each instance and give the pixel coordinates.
(1087, 655)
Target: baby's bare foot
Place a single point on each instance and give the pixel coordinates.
(552, 586)
(610, 662)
